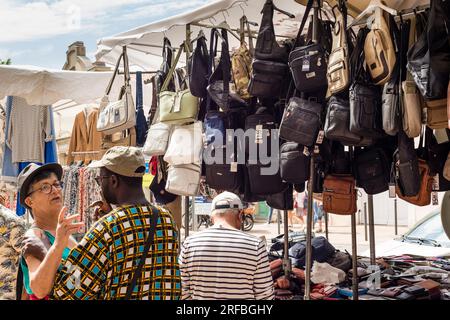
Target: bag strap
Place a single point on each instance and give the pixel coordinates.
(172, 68)
(305, 18)
(116, 70)
(138, 273)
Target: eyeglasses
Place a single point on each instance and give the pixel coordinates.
(99, 179)
(47, 188)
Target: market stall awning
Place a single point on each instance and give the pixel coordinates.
(41, 86)
(144, 42)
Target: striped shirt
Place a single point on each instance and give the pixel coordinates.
(220, 263)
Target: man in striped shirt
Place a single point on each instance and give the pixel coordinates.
(223, 262)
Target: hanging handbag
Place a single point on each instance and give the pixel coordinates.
(338, 73)
(379, 49)
(372, 170)
(219, 82)
(405, 169)
(364, 97)
(412, 109)
(198, 68)
(308, 64)
(436, 114)
(269, 67)
(437, 154)
(429, 57)
(390, 109)
(283, 200)
(337, 124)
(241, 62)
(339, 194)
(184, 180)
(120, 115)
(423, 197)
(294, 164)
(157, 139)
(301, 121)
(185, 144)
(180, 106)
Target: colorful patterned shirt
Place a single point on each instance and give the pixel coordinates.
(103, 263)
(12, 230)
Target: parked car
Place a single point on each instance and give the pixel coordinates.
(426, 238)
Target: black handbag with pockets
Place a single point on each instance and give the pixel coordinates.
(294, 164)
(406, 165)
(301, 121)
(283, 200)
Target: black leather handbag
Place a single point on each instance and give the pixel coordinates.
(268, 78)
(406, 166)
(308, 64)
(301, 121)
(429, 57)
(337, 124)
(294, 164)
(365, 97)
(283, 200)
(372, 169)
(267, 47)
(198, 69)
(436, 157)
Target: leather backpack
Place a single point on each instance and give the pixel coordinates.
(338, 74)
(379, 49)
(339, 194)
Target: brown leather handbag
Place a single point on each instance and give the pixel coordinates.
(423, 198)
(339, 194)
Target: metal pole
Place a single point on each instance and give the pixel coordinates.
(365, 221)
(371, 231)
(354, 259)
(395, 216)
(278, 221)
(286, 260)
(186, 216)
(326, 225)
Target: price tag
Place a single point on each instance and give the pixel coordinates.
(434, 198)
(306, 64)
(320, 137)
(436, 183)
(259, 134)
(391, 190)
(306, 151)
(233, 167)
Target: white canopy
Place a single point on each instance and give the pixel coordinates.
(41, 86)
(143, 42)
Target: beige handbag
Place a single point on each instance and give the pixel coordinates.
(412, 110)
(437, 114)
(379, 50)
(119, 115)
(180, 106)
(337, 71)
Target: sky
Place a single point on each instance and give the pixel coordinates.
(39, 32)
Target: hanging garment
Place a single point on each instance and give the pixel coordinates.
(141, 121)
(28, 129)
(51, 154)
(85, 137)
(10, 170)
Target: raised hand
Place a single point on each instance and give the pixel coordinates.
(66, 227)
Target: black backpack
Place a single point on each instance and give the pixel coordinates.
(322, 250)
(301, 121)
(294, 164)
